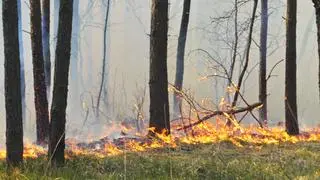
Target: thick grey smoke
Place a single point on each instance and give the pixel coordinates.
(128, 57)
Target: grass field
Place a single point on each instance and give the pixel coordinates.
(210, 161)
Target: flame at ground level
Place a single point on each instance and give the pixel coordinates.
(203, 133)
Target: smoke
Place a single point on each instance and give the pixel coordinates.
(128, 56)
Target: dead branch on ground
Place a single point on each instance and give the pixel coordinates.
(216, 113)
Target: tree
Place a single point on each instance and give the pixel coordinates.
(14, 129)
(39, 84)
(291, 116)
(180, 55)
(316, 4)
(104, 59)
(247, 58)
(46, 43)
(263, 60)
(247, 54)
(158, 76)
(60, 86)
(22, 80)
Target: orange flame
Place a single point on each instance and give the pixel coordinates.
(201, 134)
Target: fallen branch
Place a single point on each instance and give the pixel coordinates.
(216, 113)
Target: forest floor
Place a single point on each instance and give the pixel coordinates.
(206, 161)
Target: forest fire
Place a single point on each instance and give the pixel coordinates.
(203, 133)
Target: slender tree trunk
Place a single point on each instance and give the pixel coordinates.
(263, 60)
(292, 126)
(180, 56)
(39, 84)
(158, 80)
(235, 47)
(245, 67)
(46, 43)
(14, 129)
(316, 4)
(60, 86)
(22, 76)
(104, 59)
(247, 57)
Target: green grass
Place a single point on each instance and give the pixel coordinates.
(219, 161)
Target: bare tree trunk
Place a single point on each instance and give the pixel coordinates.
(234, 103)
(236, 41)
(46, 43)
(292, 126)
(158, 80)
(180, 56)
(316, 4)
(14, 129)
(22, 80)
(104, 59)
(263, 61)
(40, 92)
(60, 86)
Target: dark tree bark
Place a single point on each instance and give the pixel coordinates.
(39, 85)
(46, 43)
(14, 130)
(60, 86)
(180, 55)
(263, 60)
(316, 4)
(292, 126)
(158, 76)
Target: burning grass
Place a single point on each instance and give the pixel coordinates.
(207, 151)
(204, 133)
(206, 161)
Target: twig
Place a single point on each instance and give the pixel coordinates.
(274, 66)
(215, 113)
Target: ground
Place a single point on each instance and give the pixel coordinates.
(206, 161)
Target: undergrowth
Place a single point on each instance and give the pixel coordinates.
(218, 161)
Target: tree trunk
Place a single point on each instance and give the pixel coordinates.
(104, 59)
(263, 61)
(22, 76)
(46, 43)
(247, 55)
(180, 56)
(317, 9)
(39, 84)
(158, 80)
(292, 126)
(60, 86)
(14, 130)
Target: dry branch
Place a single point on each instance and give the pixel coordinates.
(216, 113)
